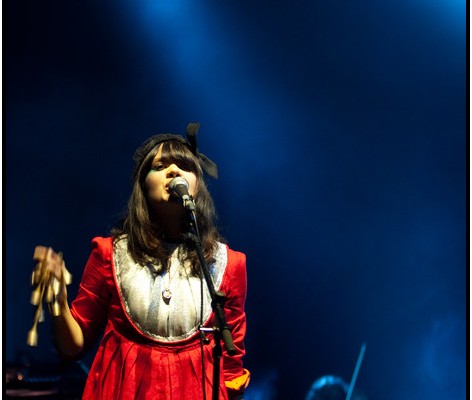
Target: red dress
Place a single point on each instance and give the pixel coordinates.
(132, 363)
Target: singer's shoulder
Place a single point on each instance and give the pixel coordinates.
(236, 266)
(235, 256)
(102, 245)
(101, 241)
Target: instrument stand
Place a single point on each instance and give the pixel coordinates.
(221, 332)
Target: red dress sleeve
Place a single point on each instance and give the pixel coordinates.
(90, 307)
(235, 289)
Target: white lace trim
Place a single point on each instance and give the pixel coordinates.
(140, 288)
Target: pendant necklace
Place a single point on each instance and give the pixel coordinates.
(166, 292)
(166, 295)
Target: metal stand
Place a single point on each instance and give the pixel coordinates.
(221, 332)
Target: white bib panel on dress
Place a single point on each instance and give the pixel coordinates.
(140, 288)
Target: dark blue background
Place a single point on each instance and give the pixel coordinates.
(340, 130)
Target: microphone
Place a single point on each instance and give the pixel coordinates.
(178, 187)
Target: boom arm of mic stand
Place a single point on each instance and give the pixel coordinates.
(217, 298)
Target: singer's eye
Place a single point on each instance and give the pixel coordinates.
(158, 167)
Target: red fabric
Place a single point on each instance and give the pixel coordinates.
(130, 365)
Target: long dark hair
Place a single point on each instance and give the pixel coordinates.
(145, 240)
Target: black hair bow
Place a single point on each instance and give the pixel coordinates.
(207, 165)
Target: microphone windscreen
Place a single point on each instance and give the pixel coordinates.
(178, 187)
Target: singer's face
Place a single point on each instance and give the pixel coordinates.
(157, 180)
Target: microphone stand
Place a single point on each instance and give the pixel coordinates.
(222, 330)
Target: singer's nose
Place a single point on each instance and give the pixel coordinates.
(173, 171)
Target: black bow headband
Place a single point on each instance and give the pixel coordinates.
(192, 128)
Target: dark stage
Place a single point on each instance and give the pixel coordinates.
(341, 134)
